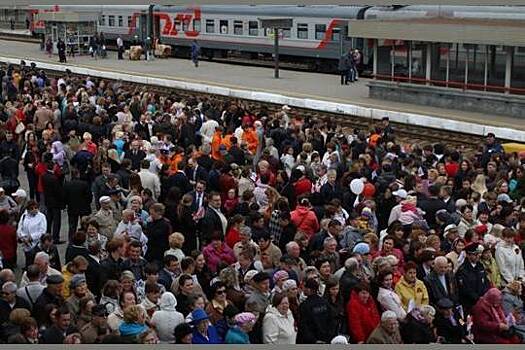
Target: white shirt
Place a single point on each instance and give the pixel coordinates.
(224, 221)
(120, 42)
(33, 227)
(151, 181)
(208, 129)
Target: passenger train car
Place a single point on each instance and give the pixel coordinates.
(318, 37)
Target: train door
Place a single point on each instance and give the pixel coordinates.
(156, 28)
(142, 27)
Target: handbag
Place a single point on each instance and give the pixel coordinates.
(20, 128)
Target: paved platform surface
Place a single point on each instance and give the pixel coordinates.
(324, 87)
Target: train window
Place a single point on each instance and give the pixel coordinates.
(185, 25)
(223, 25)
(210, 26)
(302, 30)
(129, 21)
(120, 21)
(237, 28)
(287, 32)
(320, 30)
(177, 25)
(253, 28)
(102, 21)
(336, 34)
(197, 25)
(111, 21)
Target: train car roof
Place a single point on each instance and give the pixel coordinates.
(345, 11)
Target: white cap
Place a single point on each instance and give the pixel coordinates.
(449, 228)
(340, 339)
(286, 108)
(104, 199)
(2, 189)
(387, 315)
(20, 193)
(401, 193)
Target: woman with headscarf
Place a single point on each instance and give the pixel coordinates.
(489, 322)
(167, 318)
(238, 334)
(203, 331)
(417, 327)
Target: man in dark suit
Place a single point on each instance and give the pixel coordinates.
(94, 271)
(432, 205)
(424, 267)
(471, 277)
(136, 155)
(179, 179)
(439, 284)
(199, 196)
(11, 301)
(143, 128)
(54, 200)
(58, 331)
(195, 172)
(170, 271)
(77, 198)
(213, 220)
(235, 153)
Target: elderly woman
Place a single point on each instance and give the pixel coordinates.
(490, 324)
(417, 327)
(509, 258)
(218, 302)
(238, 334)
(363, 316)
(134, 322)
(216, 252)
(513, 306)
(387, 332)
(278, 322)
(167, 318)
(203, 331)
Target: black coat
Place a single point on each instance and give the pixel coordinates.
(53, 191)
(181, 181)
(348, 282)
(78, 197)
(196, 174)
(436, 291)
(431, 206)
(94, 276)
(453, 334)
(135, 158)
(53, 335)
(72, 251)
(158, 232)
(472, 283)
(414, 332)
(41, 302)
(315, 321)
(210, 223)
(110, 269)
(5, 308)
(165, 279)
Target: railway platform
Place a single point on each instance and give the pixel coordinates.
(321, 92)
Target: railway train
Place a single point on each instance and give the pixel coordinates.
(318, 37)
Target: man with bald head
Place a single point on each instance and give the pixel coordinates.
(439, 282)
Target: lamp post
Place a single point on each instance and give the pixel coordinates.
(275, 24)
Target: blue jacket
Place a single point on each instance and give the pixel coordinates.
(213, 337)
(236, 336)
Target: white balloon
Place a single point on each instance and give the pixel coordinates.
(357, 186)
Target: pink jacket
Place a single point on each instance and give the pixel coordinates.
(215, 257)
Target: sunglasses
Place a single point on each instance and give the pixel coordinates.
(222, 291)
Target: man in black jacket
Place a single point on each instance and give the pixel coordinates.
(10, 301)
(316, 324)
(157, 231)
(111, 267)
(78, 198)
(471, 277)
(213, 220)
(60, 328)
(432, 205)
(439, 284)
(136, 155)
(54, 199)
(52, 294)
(94, 271)
(170, 271)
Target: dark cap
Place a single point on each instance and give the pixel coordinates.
(312, 284)
(99, 310)
(260, 277)
(427, 255)
(474, 248)
(182, 330)
(445, 303)
(54, 279)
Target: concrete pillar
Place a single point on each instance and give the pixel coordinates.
(393, 62)
(508, 68)
(429, 64)
(409, 61)
(374, 69)
(447, 73)
(486, 72)
(466, 67)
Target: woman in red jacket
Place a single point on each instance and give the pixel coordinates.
(303, 217)
(8, 241)
(489, 322)
(363, 316)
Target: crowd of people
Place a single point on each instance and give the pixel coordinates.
(195, 220)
